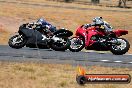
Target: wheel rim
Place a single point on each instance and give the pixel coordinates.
(76, 43)
(17, 40)
(121, 46)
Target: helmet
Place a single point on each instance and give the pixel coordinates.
(98, 20)
(41, 21)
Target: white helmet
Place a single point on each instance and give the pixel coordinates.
(98, 20)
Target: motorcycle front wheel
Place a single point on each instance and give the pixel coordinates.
(61, 45)
(77, 44)
(17, 41)
(121, 48)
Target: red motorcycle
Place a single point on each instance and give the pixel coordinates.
(93, 38)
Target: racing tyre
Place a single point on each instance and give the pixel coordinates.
(62, 45)
(77, 44)
(122, 48)
(17, 41)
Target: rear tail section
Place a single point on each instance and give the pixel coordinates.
(120, 32)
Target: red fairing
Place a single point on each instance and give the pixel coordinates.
(91, 31)
(81, 31)
(87, 34)
(120, 32)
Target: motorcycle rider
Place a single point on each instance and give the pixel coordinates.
(102, 25)
(98, 22)
(46, 25)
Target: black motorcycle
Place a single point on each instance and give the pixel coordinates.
(38, 37)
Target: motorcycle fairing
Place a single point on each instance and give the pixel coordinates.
(87, 34)
(120, 32)
(33, 36)
(81, 32)
(91, 32)
(63, 33)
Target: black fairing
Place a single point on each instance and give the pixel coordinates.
(63, 33)
(33, 36)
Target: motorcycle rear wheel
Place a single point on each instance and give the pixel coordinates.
(57, 46)
(17, 42)
(122, 48)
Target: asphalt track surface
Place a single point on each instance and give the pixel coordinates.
(67, 57)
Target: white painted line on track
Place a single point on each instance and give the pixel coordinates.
(118, 61)
(99, 52)
(104, 60)
(130, 62)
